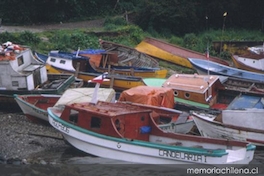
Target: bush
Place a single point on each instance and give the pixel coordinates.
(190, 40)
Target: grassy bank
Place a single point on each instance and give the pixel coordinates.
(117, 30)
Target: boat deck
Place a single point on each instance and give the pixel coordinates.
(110, 109)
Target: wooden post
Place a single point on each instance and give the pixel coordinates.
(109, 68)
(105, 60)
(112, 79)
(77, 69)
(132, 71)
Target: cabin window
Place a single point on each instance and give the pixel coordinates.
(95, 122)
(73, 118)
(15, 83)
(52, 60)
(62, 61)
(176, 93)
(187, 95)
(117, 124)
(20, 60)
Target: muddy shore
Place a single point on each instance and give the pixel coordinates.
(21, 139)
(29, 148)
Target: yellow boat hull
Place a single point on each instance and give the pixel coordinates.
(173, 53)
(141, 73)
(117, 82)
(161, 54)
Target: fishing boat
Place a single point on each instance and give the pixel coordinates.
(79, 66)
(40, 57)
(173, 53)
(35, 106)
(241, 120)
(250, 61)
(98, 61)
(127, 56)
(22, 74)
(215, 126)
(118, 82)
(248, 108)
(214, 92)
(234, 47)
(102, 61)
(128, 132)
(242, 85)
(212, 68)
(160, 97)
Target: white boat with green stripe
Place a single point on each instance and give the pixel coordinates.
(128, 132)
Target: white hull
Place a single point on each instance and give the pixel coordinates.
(32, 111)
(213, 129)
(253, 63)
(73, 95)
(248, 118)
(143, 152)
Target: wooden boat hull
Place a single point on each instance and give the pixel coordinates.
(182, 128)
(98, 63)
(128, 56)
(207, 67)
(210, 128)
(37, 110)
(57, 84)
(249, 64)
(190, 91)
(247, 118)
(118, 82)
(172, 53)
(228, 89)
(137, 151)
(234, 47)
(35, 106)
(154, 73)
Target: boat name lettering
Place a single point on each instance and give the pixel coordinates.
(60, 126)
(182, 155)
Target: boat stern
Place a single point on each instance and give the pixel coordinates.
(242, 155)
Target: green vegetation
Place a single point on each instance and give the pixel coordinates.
(119, 31)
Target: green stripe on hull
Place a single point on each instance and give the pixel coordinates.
(192, 150)
(191, 103)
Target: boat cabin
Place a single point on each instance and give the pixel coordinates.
(20, 71)
(125, 120)
(70, 62)
(112, 119)
(203, 89)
